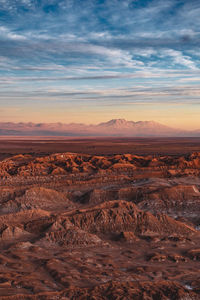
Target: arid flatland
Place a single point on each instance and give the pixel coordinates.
(98, 146)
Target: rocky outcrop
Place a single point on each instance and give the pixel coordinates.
(66, 234)
(39, 197)
(118, 216)
(67, 163)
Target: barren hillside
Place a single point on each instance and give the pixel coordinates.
(82, 226)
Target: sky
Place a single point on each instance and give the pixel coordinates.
(91, 61)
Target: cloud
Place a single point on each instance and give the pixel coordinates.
(5, 33)
(179, 58)
(135, 51)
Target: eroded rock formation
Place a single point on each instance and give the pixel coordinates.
(76, 226)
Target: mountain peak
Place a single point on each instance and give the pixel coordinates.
(115, 122)
(118, 121)
(114, 127)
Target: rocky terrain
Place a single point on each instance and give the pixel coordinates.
(82, 226)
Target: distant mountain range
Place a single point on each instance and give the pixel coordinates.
(115, 127)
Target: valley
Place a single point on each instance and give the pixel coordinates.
(91, 226)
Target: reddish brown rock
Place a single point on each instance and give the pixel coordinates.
(76, 226)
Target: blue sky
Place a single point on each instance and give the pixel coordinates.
(90, 61)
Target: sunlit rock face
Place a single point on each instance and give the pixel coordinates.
(88, 226)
